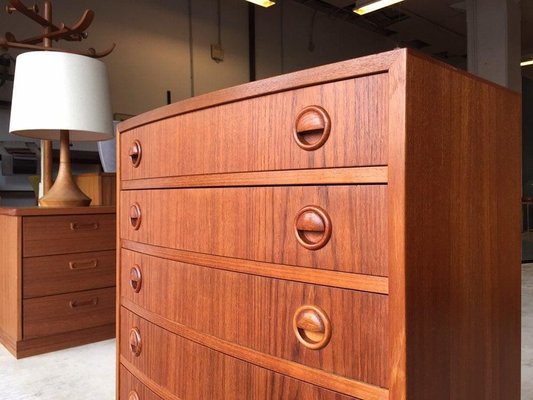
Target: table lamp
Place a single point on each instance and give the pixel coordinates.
(58, 95)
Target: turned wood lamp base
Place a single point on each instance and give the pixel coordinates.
(64, 192)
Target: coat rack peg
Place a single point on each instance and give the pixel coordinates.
(76, 32)
(11, 9)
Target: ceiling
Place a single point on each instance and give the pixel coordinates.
(437, 27)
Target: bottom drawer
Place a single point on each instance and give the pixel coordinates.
(192, 371)
(132, 389)
(43, 316)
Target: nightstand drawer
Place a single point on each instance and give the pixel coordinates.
(190, 370)
(64, 234)
(49, 315)
(342, 228)
(311, 127)
(48, 275)
(308, 324)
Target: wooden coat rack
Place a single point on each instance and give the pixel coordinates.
(43, 41)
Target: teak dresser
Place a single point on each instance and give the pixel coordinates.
(57, 277)
(346, 232)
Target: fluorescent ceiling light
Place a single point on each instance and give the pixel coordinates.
(526, 63)
(263, 3)
(365, 6)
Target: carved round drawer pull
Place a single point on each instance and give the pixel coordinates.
(312, 327)
(135, 153)
(312, 128)
(135, 278)
(312, 227)
(133, 395)
(135, 216)
(135, 342)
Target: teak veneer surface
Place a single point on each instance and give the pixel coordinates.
(343, 280)
(198, 372)
(131, 384)
(60, 313)
(40, 211)
(257, 312)
(35, 316)
(455, 236)
(443, 228)
(63, 234)
(260, 131)
(257, 223)
(47, 275)
(10, 279)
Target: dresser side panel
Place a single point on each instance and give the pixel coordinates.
(10, 277)
(462, 235)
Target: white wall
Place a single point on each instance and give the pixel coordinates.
(152, 38)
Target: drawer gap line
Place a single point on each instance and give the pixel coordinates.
(343, 280)
(326, 176)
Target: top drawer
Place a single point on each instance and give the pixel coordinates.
(63, 234)
(259, 134)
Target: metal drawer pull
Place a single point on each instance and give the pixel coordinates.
(135, 153)
(91, 302)
(136, 278)
(312, 128)
(76, 226)
(135, 342)
(135, 216)
(83, 264)
(312, 227)
(133, 395)
(312, 327)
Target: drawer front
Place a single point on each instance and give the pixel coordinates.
(259, 134)
(260, 223)
(259, 313)
(193, 371)
(48, 235)
(49, 275)
(43, 316)
(132, 389)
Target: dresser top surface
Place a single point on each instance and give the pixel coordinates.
(367, 65)
(38, 211)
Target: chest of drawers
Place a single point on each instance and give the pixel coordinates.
(345, 232)
(57, 277)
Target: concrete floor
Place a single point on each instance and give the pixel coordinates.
(80, 373)
(88, 372)
(527, 332)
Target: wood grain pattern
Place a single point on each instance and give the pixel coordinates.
(196, 371)
(99, 187)
(462, 236)
(325, 176)
(48, 235)
(45, 344)
(396, 229)
(10, 279)
(39, 277)
(230, 301)
(48, 275)
(444, 230)
(260, 131)
(264, 384)
(41, 211)
(130, 383)
(366, 283)
(258, 224)
(50, 315)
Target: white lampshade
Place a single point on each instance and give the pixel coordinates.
(56, 91)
